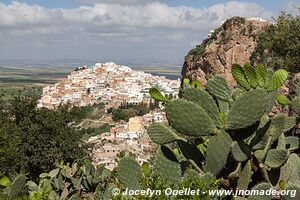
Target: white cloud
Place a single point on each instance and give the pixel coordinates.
(151, 15)
(124, 2)
(152, 23)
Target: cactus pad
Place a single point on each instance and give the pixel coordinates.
(296, 87)
(191, 152)
(240, 151)
(259, 187)
(130, 173)
(236, 93)
(157, 95)
(166, 166)
(196, 84)
(223, 107)
(186, 81)
(17, 187)
(205, 101)
(278, 79)
(218, 87)
(296, 105)
(250, 75)
(189, 118)
(276, 157)
(292, 143)
(290, 172)
(282, 100)
(161, 134)
(245, 177)
(290, 123)
(296, 193)
(276, 127)
(240, 77)
(247, 109)
(261, 74)
(217, 152)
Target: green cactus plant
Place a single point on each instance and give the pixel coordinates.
(282, 100)
(196, 84)
(219, 88)
(167, 166)
(162, 134)
(217, 152)
(259, 187)
(130, 173)
(186, 81)
(235, 132)
(17, 186)
(276, 157)
(157, 95)
(240, 77)
(261, 75)
(240, 151)
(277, 80)
(296, 105)
(205, 101)
(245, 177)
(250, 75)
(241, 116)
(189, 118)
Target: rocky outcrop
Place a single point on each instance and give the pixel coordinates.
(233, 42)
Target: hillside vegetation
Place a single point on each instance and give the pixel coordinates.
(279, 45)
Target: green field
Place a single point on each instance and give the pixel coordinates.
(14, 79)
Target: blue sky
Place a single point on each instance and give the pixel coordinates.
(118, 29)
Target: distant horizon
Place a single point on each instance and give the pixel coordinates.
(73, 62)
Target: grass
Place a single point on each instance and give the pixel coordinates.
(14, 79)
(8, 90)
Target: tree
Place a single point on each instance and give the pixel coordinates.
(40, 137)
(279, 45)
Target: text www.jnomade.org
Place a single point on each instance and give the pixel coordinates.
(197, 192)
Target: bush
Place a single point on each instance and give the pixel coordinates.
(279, 45)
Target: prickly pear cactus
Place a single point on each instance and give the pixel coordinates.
(196, 84)
(219, 88)
(130, 173)
(217, 129)
(241, 116)
(276, 157)
(157, 95)
(240, 77)
(167, 166)
(282, 100)
(189, 118)
(217, 152)
(277, 80)
(250, 75)
(245, 177)
(261, 75)
(162, 134)
(17, 186)
(205, 101)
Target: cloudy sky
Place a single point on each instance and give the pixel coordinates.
(117, 29)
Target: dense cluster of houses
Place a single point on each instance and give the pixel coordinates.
(113, 85)
(131, 137)
(105, 82)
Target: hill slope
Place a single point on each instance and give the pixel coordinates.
(233, 42)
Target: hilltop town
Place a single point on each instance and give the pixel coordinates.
(105, 82)
(113, 85)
